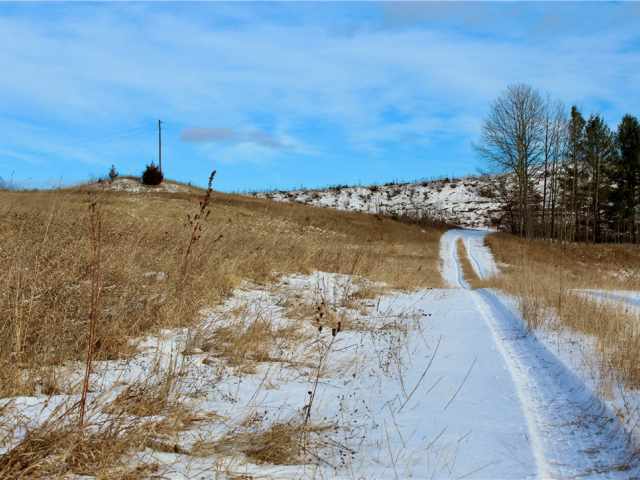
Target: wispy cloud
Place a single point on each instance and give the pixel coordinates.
(113, 66)
(286, 80)
(220, 135)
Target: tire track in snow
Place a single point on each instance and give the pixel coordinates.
(573, 433)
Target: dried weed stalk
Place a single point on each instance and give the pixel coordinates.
(95, 230)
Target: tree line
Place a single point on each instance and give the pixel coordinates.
(564, 176)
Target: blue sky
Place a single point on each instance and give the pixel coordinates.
(279, 95)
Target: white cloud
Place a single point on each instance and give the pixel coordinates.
(135, 62)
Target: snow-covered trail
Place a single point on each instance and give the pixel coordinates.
(571, 432)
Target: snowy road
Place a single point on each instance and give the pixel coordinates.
(571, 433)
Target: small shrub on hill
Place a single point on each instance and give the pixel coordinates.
(113, 173)
(152, 175)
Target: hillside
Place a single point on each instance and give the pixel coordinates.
(468, 202)
(131, 184)
(187, 297)
(232, 337)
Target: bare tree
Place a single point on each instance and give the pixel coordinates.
(513, 140)
(554, 127)
(547, 148)
(559, 139)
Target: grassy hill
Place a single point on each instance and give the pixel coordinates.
(147, 283)
(139, 265)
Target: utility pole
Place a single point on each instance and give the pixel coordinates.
(160, 145)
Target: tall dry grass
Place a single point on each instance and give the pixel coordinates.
(545, 276)
(46, 258)
(71, 296)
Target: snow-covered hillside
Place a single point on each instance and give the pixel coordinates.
(469, 202)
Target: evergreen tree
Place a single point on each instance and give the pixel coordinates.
(574, 169)
(113, 173)
(626, 176)
(599, 154)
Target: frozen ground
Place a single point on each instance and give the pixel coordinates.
(469, 202)
(441, 383)
(405, 395)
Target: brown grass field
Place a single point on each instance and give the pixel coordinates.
(543, 275)
(46, 257)
(146, 283)
(154, 261)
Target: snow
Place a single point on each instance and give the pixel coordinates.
(436, 383)
(493, 417)
(451, 426)
(555, 398)
(408, 395)
(400, 421)
(574, 433)
(478, 254)
(469, 202)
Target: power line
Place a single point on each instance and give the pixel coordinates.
(160, 145)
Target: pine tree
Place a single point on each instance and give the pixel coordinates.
(575, 166)
(626, 176)
(599, 154)
(113, 173)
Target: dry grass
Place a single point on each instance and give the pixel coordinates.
(467, 269)
(142, 400)
(45, 291)
(278, 444)
(607, 266)
(323, 316)
(250, 341)
(48, 288)
(543, 275)
(55, 450)
(104, 448)
(143, 416)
